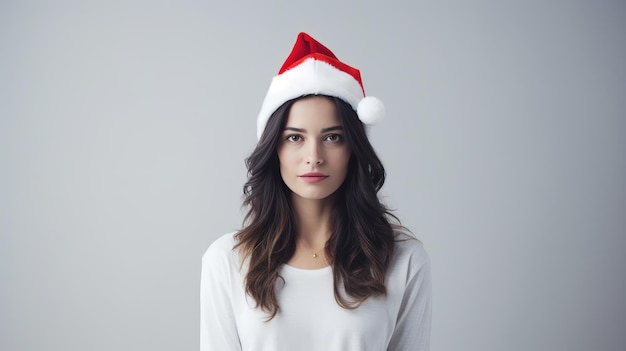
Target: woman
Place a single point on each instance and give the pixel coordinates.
(320, 263)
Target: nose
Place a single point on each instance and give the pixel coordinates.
(316, 155)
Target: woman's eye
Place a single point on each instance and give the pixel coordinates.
(334, 138)
(294, 138)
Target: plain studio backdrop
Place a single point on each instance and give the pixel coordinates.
(124, 126)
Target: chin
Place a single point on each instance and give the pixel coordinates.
(311, 196)
(316, 195)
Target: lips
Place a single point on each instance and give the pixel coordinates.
(313, 177)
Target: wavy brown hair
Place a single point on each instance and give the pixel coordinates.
(361, 244)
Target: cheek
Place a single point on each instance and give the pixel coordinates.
(285, 160)
(344, 160)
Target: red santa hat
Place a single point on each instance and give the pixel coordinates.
(312, 68)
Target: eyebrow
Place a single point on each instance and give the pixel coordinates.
(325, 130)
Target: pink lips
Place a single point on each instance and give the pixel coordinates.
(313, 177)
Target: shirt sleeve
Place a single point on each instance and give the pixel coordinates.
(413, 324)
(218, 331)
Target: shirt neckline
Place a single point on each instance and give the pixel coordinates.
(317, 271)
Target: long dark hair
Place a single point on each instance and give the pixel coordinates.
(361, 244)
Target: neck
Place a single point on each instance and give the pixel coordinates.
(313, 221)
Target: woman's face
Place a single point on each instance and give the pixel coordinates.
(313, 152)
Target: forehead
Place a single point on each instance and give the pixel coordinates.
(315, 112)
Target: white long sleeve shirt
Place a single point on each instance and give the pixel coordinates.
(309, 317)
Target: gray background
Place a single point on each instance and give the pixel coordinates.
(124, 125)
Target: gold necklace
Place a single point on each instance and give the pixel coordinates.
(317, 253)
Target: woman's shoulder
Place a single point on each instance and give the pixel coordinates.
(222, 248)
(410, 250)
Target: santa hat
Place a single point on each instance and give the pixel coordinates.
(312, 68)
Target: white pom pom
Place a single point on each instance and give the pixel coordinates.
(371, 110)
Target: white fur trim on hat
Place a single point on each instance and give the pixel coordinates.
(310, 77)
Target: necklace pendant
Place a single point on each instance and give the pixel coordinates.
(314, 255)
